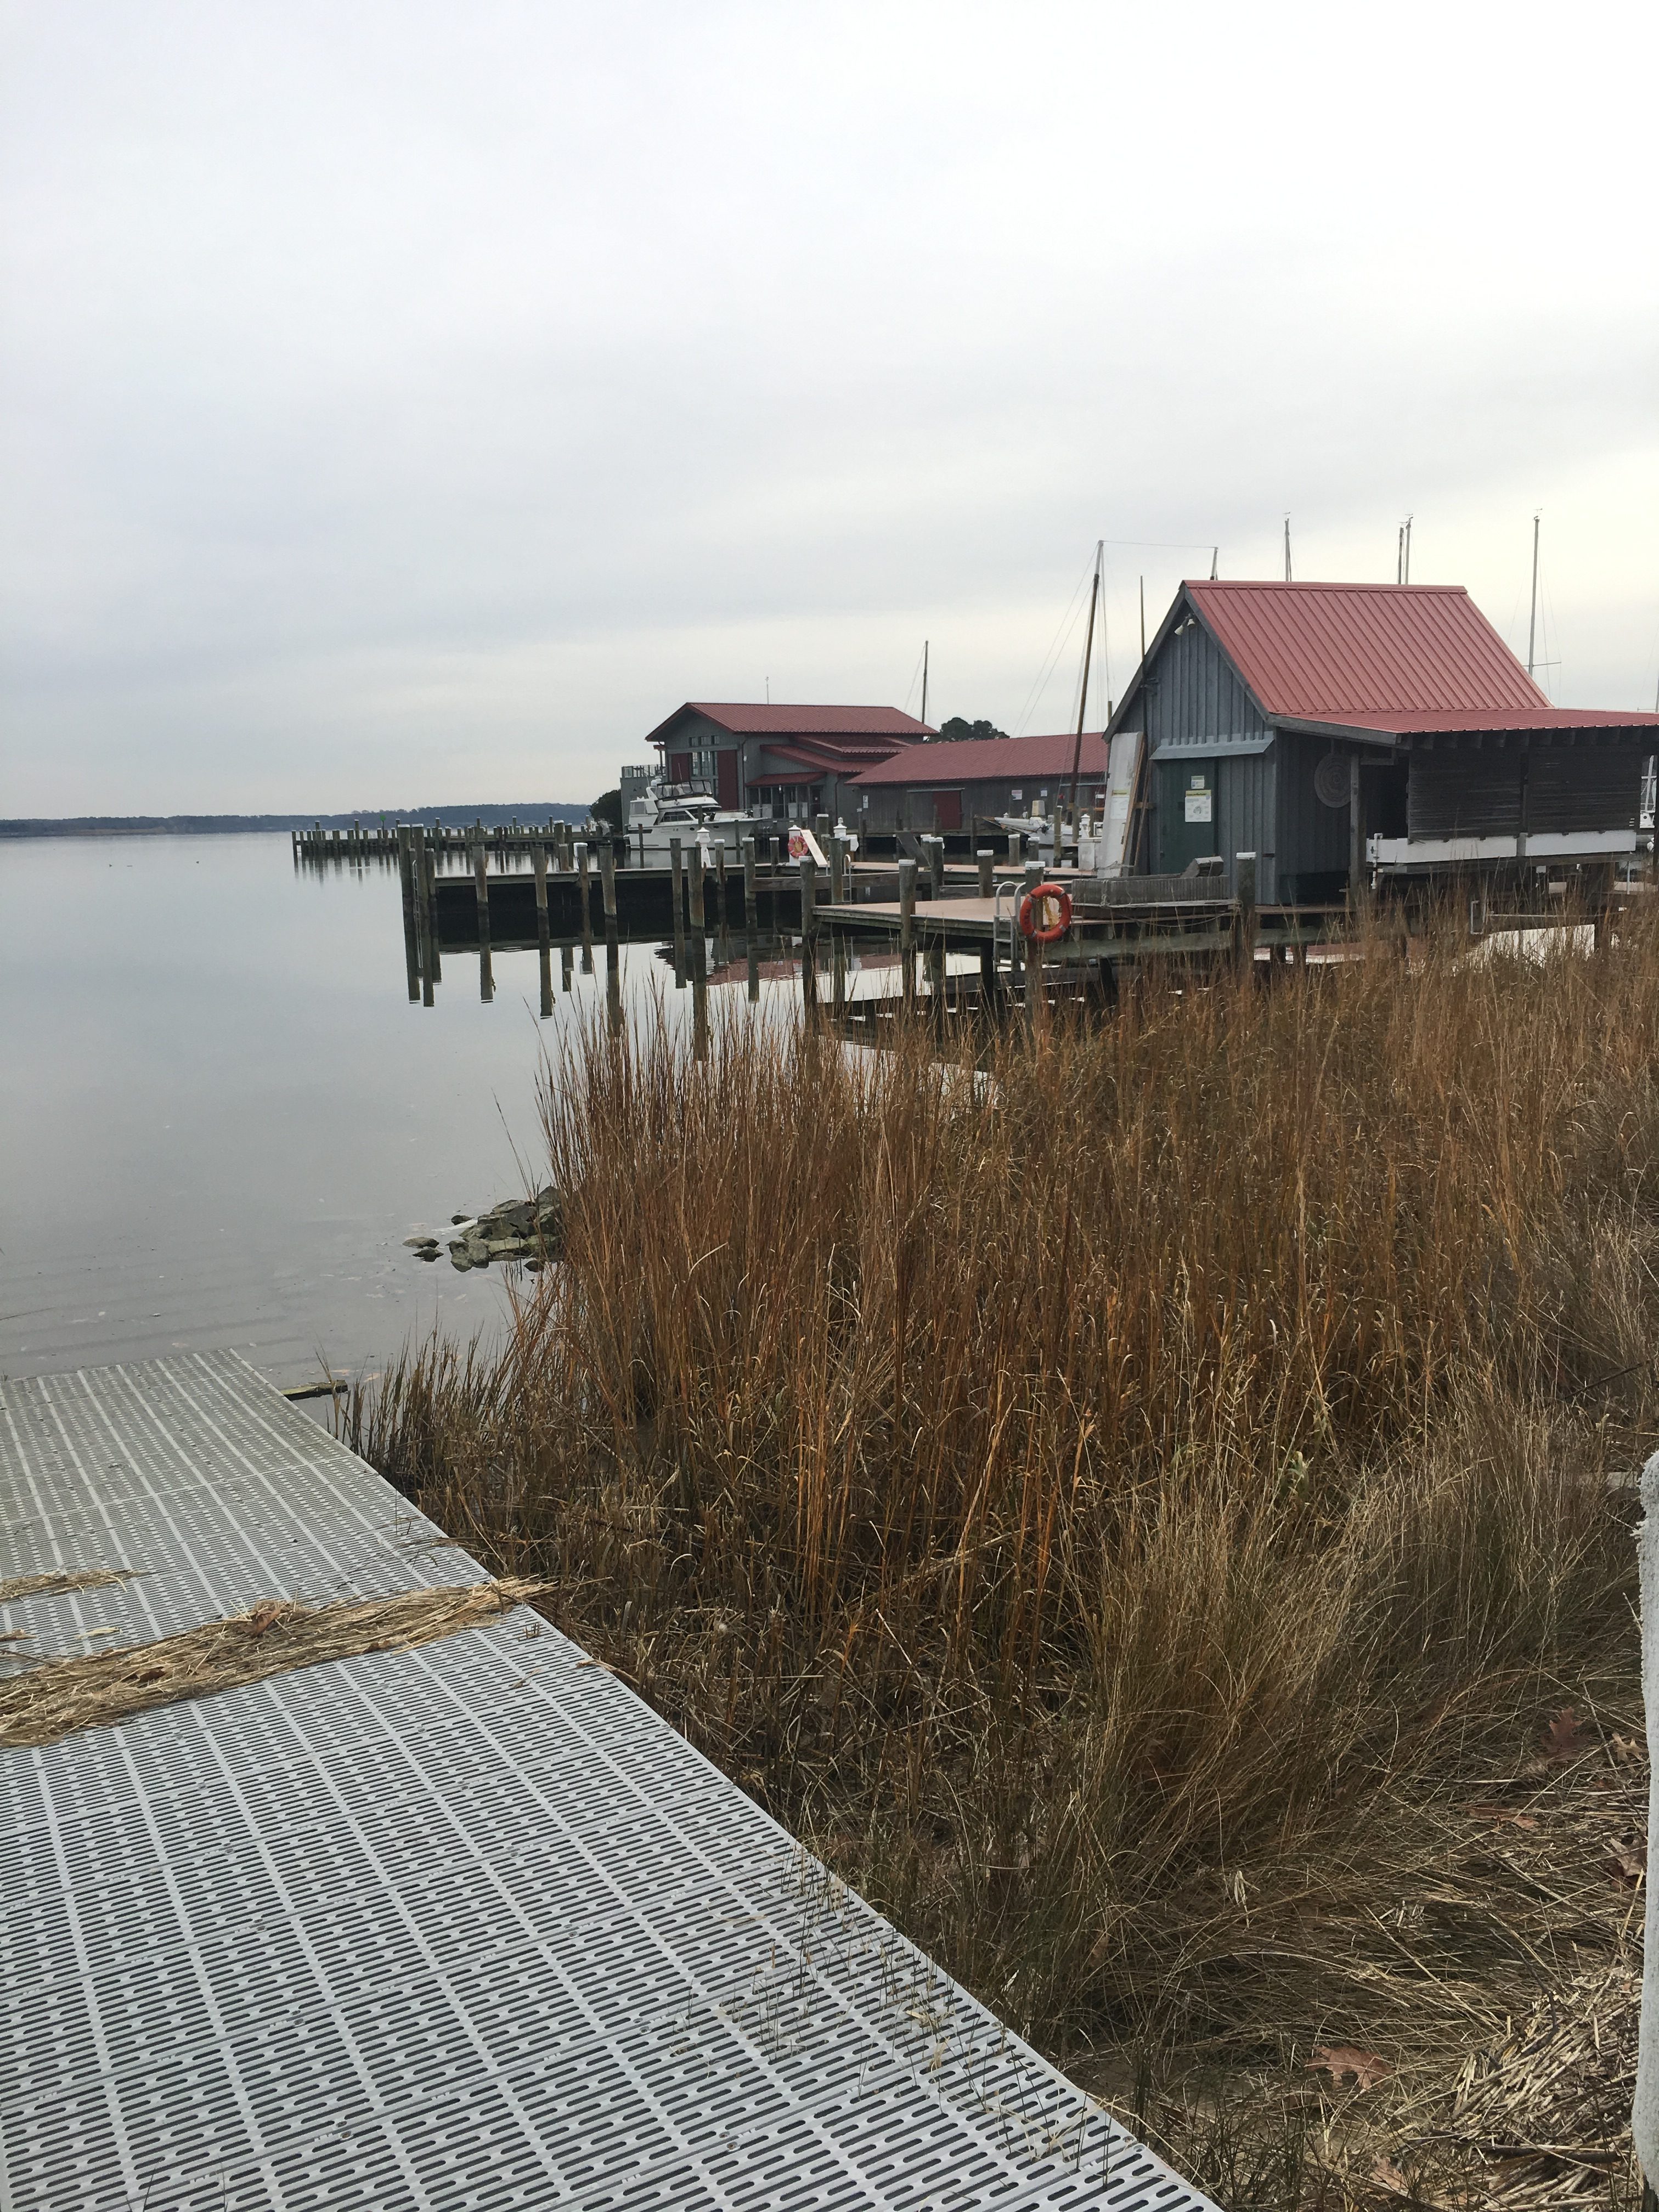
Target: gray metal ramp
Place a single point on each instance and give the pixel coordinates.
(464, 1926)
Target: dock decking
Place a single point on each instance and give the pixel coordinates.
(461, 1926)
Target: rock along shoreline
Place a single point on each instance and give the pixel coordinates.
(528, 1230)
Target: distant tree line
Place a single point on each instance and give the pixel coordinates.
(956, 730)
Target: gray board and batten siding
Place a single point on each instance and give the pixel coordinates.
(1206, 739)
(464, 1926)
(1225, 778)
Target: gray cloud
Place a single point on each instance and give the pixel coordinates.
(409, 401)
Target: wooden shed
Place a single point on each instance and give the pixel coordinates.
(1342, 731)
(790, 762)
(962, 786)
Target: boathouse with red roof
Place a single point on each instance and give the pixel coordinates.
(1344, 733)
(791, 762)
(965, 785)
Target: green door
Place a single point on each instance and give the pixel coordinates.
(1186, 810)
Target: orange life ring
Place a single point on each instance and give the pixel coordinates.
(1035, 898)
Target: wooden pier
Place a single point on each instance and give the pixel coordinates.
(434, 1928)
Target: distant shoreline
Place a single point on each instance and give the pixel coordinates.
(210, 825)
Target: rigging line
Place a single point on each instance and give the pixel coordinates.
(1040, 689)
(1054, 649)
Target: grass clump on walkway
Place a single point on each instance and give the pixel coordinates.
(1142, 1511)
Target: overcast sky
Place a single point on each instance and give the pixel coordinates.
(411, 404)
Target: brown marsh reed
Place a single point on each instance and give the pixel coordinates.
(1134, 1506)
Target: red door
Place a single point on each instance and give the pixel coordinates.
(947, 810)
(679, 767)
(726, 774)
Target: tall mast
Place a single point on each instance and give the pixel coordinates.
(924, 679)
(1083, 700)
(1532, 626)
(1408, 550)
(1400, 557)
(1287, 549)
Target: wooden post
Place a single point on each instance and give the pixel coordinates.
(411, 943)
(1029, 957)
(751, 903)
(481, 880)
(934, 848)
(838, 869)
(1244, 926)
(907, 882)
(696, 859)
(986, 859)
(425, 919)
(607, 888)
(677, 876)
(543, 938)
(613, 985)
(427, 892)
(720, 891)
(809, 932)
(584, 893)
(565, 964)
(936, 973)
(699, 992)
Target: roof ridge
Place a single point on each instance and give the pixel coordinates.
(1316, 583)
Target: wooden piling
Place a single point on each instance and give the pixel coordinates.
(907, 884)
(935, 849)
(1028, 954)
(751, 902)
(1244, 921)
(677, 873)
(426, 924)
(565, 964)
(585, 895)
(720, 893)
(986, 859)
(613, 985)
(411, 942)
(699, 994)
(809, 932)
(608, 888)
(696, 859)
(481, 883)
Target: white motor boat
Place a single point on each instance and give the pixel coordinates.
(664, 813)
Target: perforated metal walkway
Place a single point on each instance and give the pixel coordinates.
(462, 1926)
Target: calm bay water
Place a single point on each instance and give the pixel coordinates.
(220, 1115)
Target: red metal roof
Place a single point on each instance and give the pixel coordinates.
(1484, 721)
(991, 760)
(1340, 652)
(745, 721)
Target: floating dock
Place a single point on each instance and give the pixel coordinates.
(466, 1925)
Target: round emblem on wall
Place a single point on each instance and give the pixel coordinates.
(1331, 780)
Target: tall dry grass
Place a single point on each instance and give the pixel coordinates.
(1101, 1498)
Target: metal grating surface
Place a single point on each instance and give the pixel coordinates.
(468, 1926)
